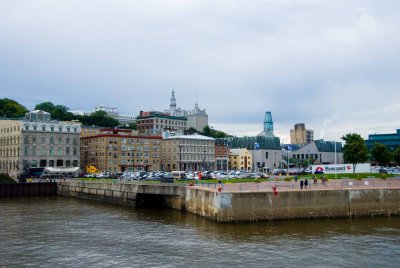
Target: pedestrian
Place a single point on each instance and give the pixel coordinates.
(301, 184)
(323, 179)
(295, 178)
(315, 179)
(305, 184)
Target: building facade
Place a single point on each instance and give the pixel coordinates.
(150, 123)
(240, 159)
(189, 153)
(37, 141)
(119, 150)
(221, 154)
(318, 152)
(300, 135)
(391, 140)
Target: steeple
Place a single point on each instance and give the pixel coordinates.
(172, 106)
(268, 124)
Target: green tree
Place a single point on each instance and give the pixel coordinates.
(191, 130)
(11, 109)
(396, 156)
(381, 154)
(207, 131)
(354, 149)
(57, 112)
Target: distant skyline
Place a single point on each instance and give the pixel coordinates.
(332, 65)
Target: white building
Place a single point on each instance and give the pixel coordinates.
(197, 118)
(111, 112)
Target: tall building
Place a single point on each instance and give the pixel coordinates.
(188, 153)
(221, 154)
(300, 135)
(196, 118)
(119, 150)
(37, 141)
(153, 122)
(391, 140)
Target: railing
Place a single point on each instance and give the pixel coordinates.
(292, 185)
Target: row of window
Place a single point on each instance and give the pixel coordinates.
(41, 151)
(49, 128)
(9, 129)
(51, 140)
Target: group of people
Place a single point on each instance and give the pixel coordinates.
(315, 180)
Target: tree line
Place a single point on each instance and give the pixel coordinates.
(12, 109)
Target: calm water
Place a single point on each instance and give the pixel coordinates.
(66, 232)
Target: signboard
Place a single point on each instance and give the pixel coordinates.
(340, 168)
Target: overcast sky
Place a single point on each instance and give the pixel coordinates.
(333, 65)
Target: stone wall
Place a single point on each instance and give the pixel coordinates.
(261, 206)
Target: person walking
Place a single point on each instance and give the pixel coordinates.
(315, 179)
(305, 184)
(301, 184)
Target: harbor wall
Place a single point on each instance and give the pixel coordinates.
(243, 206)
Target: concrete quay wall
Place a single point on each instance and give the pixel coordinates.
(262, 206)
(127, 194)
(248, 206)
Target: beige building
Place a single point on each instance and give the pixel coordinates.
(188, 153)
(300, 135)
(240, 159)
(36, 141)
(119, 150)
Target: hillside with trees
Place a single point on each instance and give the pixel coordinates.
(11, 109)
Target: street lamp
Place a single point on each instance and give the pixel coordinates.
(204, 159)
(180, 157)
(335, 161)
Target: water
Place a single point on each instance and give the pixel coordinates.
(66, 232)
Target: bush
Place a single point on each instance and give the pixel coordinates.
(257, 180)
(4, 178)
(288, 179)
(384, 176)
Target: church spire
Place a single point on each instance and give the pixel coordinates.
(172, 106)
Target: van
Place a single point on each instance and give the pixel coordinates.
(179, 175)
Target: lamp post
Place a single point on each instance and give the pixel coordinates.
(204, 159)
(180, 157)
(335, 160)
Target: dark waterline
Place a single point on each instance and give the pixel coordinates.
(66, 232)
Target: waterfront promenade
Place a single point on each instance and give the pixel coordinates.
(372, 183)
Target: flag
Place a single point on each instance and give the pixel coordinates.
(289, 148)
(256, 146)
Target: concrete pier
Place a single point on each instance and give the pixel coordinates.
(247, 206)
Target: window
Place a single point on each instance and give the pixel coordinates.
(60, 128)
(43, 128)
(52, 128)
(51, 140)
(51, 150)
(266, 155)
(67, 151)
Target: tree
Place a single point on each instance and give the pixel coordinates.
(354, 150)
(11, 109)
(381, 154)
(396, 156)
(57, 112)
(207, 131)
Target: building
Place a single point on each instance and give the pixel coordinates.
(150, 123)
(221, 154)
(300, 135)
(317, 152)
(391, 140)
(196, 118)
(240, 159)
(111, 112)
(188, 153)
(265, 148)
(119, 150)
(37, 141)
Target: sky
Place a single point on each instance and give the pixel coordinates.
(333, 65)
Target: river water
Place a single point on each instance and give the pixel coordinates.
(66, 232)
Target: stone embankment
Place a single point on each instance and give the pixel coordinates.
(245, 206)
